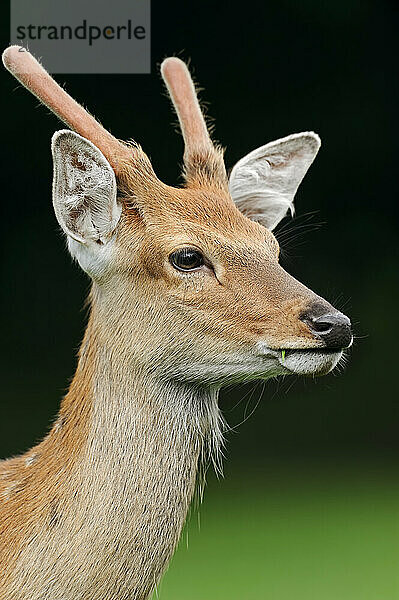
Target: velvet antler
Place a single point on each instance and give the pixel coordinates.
(32, 75)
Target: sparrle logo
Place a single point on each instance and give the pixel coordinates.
(85, 36)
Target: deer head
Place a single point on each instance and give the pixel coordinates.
(187, 281)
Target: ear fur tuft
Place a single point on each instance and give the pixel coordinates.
(263, 183)
(84, 189)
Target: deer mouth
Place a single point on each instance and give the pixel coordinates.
(309, 361)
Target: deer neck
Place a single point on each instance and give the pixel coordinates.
(120, 510)
(140, 462)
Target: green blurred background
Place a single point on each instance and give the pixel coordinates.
(309, 504)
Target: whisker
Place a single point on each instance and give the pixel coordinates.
(249, 415)
(293, 233)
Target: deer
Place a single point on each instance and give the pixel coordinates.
(187, 296)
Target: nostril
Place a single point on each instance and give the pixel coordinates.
(333, 328)
(321, 326)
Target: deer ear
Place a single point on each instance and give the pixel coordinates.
(84, 189)
(263, 183)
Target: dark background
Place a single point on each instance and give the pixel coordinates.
(268, 70)
(308, 507)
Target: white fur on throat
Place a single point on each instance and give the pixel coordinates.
(129, 494)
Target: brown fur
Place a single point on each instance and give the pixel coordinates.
(95, 510)
(252, 298)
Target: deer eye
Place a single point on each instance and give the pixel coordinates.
(186, 259)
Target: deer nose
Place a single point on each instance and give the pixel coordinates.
(334, 328)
